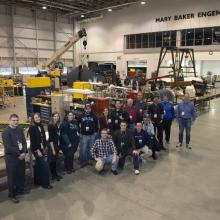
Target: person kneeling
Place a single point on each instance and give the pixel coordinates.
(104, 151)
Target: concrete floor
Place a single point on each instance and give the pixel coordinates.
(179, 186)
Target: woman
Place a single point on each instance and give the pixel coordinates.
(105, 121)
(38, 145)
(149, 128)
(69, 131)
(54, 144)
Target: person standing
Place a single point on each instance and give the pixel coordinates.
(105, 121)
(38, 145)
(54, 144)
(118, 115)
(141, 104)
(133, 113)
(185, 116)
(104, 151)
(69, 132)
(89, 126)
(15, 148)
(142, 141)
(169, 115)
(124, 142)
(156, 112)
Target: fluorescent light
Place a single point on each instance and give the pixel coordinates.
(143, 3)
(44, 7)
(82, 16)
(109, 9)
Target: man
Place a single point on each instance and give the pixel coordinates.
(15, 151)
(133, 113)
(142, 141)
(156, 112)
(89, 126)
(118, 115)
(104, 151)
(141, 104)
(124, 142)
(186, 115)
(169, 115)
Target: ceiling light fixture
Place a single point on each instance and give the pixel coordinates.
(44, 7)
(143, 3)
(82, 16)
(109, 9)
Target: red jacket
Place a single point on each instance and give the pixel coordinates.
(133, 113)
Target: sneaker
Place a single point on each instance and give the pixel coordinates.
(188, 147)
(115, 172)
(137, 172)
(48, 187)
(179, 145)
(14, 199)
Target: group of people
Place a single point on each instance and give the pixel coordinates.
(135, 130)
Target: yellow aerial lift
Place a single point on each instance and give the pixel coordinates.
(53, 67)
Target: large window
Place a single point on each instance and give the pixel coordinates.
(200, 36)
(151, 40)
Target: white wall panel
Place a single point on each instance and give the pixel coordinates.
(5, 31)
(6, 52)
(25, 43)
(46, 44)
(5, 20)
(45, 35)
(25, 53)
(21, 21)
(5, 42)
(45, 53)
(65, 28)
(45, 25)
(21, 32)
(63, 37)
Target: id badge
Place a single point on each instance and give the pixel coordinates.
(140, 141)
(122, 143)
(77, 133)
(141, 110)
(109, 120)
(155, 115)
(20, 146)
(116, 121)
(87, 128)
(130, 116)
(183, 113)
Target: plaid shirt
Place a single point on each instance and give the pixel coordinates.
(103, 148)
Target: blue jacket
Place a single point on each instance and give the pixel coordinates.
(169, 113)
(186, 110)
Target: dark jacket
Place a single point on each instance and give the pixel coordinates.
(115, 116)
(156, 113)
(69, 133)
(37, 137)
(123, 141)
(88, 123)
(11, 137)
(105, 123)
(54, 135)
(141, 139)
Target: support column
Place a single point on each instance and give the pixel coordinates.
(13, 39)
(36, 35)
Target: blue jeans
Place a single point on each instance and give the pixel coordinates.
(128, 152)
(86, 143)
(109, 160)
(184, 124)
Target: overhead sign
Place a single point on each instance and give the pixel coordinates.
(188, 16)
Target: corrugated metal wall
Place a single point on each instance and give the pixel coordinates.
(28, 37)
